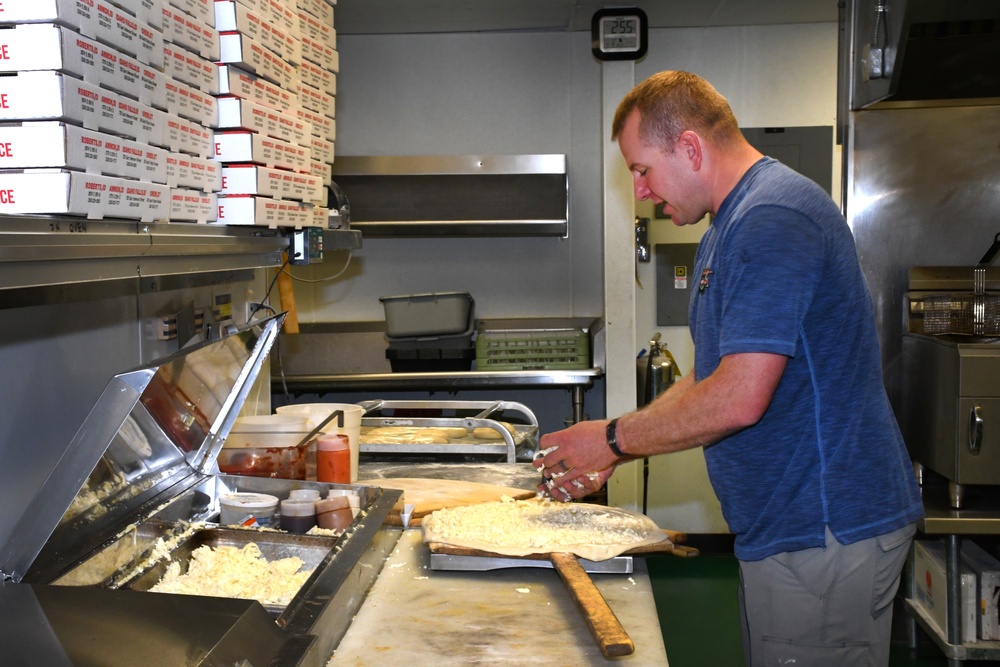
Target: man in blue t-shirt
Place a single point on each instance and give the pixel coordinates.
(786, 396)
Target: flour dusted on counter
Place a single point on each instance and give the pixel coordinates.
(232, 572)
(523, 527)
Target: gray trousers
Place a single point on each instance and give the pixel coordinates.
(824, 607)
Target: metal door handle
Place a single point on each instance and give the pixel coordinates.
(975, 429)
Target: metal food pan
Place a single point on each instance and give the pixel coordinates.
(311, 549)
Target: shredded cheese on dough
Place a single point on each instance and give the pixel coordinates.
(531, 524)
(232, 572)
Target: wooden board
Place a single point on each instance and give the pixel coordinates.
(428, 495)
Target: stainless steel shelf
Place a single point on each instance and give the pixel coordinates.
(431, 381)
(44, 251)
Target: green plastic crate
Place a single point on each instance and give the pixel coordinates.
(532, 349)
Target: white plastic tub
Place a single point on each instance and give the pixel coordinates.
(438, 314)
(317, 412)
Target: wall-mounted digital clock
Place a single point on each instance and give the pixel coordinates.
(618, 33)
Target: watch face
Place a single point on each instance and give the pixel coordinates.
(618, 34)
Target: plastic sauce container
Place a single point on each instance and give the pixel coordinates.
(311, 495)
(298, 516)
(238, 507)
(334, 513)
(333, 459)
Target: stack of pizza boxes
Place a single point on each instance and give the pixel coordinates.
(274, 165)
(83, 107)
(191, 82)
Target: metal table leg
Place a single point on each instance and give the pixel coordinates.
(577, 397)
(952, 555)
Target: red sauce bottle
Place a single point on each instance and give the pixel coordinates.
(333, 459)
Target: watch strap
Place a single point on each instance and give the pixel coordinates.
(612, 436)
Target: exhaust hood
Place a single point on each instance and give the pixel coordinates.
(903, 51)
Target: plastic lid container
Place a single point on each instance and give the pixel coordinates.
(334, 513)
(236, 507)
(311, 495)
(268, 431)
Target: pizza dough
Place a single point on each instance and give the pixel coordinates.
(524, 527)
(486, 433)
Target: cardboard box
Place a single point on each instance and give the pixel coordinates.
(318, 77)
(248, 147)
(323, 127)
(244, 52)
(181, 28)
(238, 114)
(187, 66)
(317, 101)
(318, 8)
(53, 96)
(47, 46)
(58, 145)
(76, 193)
(987, 570)
(321, 170)
(274, 183)
(320, 54)
(193, 172)
(183, 136)
(246, 85)
(193, 206)
(264, 212)
(322, 150)
(314, 29)
(190, 103)
(932, 588)
(147, 11)
(266, 28)
(118, 28)
(202, 10)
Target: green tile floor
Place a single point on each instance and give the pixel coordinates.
(696, 604)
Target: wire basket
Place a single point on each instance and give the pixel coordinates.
(532, 349)
(962, 314)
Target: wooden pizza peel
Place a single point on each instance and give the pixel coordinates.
(604, 626)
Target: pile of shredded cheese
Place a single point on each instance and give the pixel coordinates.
(531, 524)
(232, 572)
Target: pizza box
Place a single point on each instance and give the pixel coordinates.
(987, 571)
(46, 95)
(313, 28)
(246, 85)
(316, 100)
(932, 588)
(318, 8)
(321, 170)
(245, 179)
(322, 126)
(268, 28)
(185, 30)
(48, 144)
(263, 212)
(248, 147)
(202, 10)
(236, 114)
(185, 65)
(184, 136)
(318, 77)
(60, 192)
(320, 54)
(47, 46)
(244, 52)
(322, 150)
(321, 217)
(190, 103)
(116, 27)
(147, 11)
(193, 206)
(192, 172)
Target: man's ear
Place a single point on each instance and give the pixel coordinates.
(690, 146)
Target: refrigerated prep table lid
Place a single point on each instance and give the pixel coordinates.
(154, 432)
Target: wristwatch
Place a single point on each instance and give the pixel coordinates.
(612, 436)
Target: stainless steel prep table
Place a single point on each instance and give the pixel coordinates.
(415, 616)
(576, 380)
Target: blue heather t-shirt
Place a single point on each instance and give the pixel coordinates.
(778, 272)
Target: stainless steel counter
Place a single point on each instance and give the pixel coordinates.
(416, 616)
